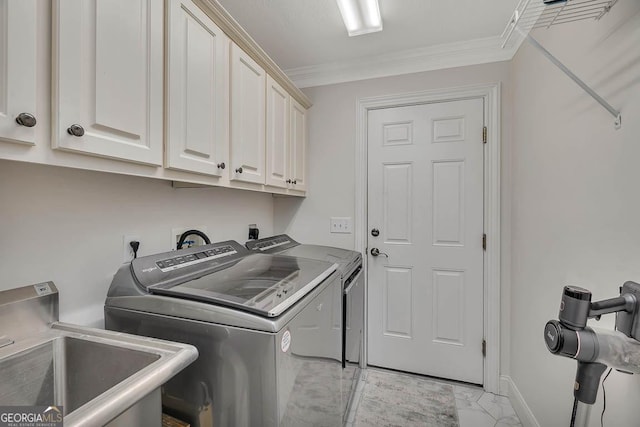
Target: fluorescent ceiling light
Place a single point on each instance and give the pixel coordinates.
(360, 16)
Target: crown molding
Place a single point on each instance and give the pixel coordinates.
(219, 15)
(449, 55)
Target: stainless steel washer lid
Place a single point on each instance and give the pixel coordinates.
(343, 257)
(285, 245)
(264, 284)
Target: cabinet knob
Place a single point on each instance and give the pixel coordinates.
(289, 181)
(26, 119)
(221, 165)
(295, 181)
(239, 170)
(75, 130)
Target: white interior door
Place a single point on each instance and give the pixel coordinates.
(425, 308)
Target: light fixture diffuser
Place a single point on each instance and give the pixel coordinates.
(360, 16)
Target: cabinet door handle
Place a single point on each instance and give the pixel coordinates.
(295, 181)
(75, 130)
(239, 170)
(26, 119)
(221, 165)
(289, 181)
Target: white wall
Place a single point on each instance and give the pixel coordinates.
(67, 225)
(576, 199)
(331, 158)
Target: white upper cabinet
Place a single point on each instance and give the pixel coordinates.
(107, 78)
(197, 122)
(18, 71)
(278, 101)
(298, 143)
(248, 80)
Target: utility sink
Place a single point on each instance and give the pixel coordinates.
(67, 372)
(99, 377)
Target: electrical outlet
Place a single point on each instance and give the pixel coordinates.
(177, 232)
(127, 252)
(341, 225)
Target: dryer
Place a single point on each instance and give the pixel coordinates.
(352, 277)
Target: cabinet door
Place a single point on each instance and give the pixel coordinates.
(197, 91)
(18, 70)
(298, 146)
(107, 78)
(247, 118)
(277, 134)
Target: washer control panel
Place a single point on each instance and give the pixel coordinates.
(187, 260)
(169, 268)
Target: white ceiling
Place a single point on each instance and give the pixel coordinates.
(308, 40)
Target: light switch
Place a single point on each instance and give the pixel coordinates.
(341, 225)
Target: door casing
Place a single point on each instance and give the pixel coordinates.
(490, 94)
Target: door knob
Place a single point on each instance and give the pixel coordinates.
(26, 119)
(221, 165)
(239, 170)
(375, 232)
(75, 130)
(376, 252)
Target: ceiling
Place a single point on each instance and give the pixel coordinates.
(308, 40)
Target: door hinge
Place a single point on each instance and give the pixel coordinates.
(484, 242)
(484, 348)
(484, 134)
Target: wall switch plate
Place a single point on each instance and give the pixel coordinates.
(127, 251)
(177, 232)
(341, 225)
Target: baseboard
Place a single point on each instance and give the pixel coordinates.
(505, 385)
(517, 401)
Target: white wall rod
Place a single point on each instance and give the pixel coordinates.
(615, 113)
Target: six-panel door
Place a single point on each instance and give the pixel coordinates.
(107, 78)
(425, 196)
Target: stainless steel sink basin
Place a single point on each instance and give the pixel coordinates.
(99, 377)
(67, 372)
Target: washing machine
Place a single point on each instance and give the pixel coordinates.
(267, 328)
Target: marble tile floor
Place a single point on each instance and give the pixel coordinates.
(388, 398)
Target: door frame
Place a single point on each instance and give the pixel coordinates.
(490, 94)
